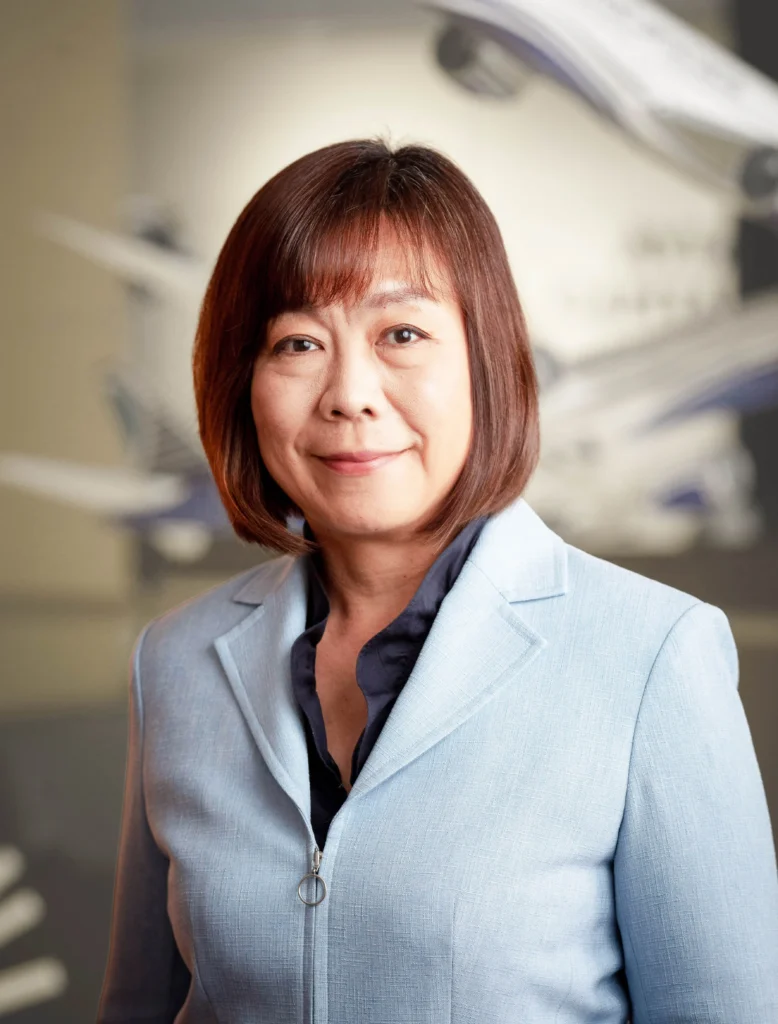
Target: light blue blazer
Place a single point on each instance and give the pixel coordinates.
(562, 821)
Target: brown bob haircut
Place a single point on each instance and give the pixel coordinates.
(309, 235)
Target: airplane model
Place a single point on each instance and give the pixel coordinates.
(31, 982)
(637, 65)
(640, 446)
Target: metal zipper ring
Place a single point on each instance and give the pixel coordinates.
(312, 903)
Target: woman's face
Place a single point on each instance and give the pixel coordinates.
(363, 412)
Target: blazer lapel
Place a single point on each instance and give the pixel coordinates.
(255, 658)
(478, 642)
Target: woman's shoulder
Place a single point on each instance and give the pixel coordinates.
(626, 622)
(193, 624)
(560, 587)
(617, 594)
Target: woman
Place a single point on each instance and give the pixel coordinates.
(433, 763)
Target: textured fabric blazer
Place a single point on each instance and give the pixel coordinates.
(562, 821)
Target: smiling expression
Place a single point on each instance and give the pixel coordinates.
(363, 410)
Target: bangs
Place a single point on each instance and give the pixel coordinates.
(331, 256)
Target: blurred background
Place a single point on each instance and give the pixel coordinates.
(133, 133)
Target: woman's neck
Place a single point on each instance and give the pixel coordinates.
(369, 582)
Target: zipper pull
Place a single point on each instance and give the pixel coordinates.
(321, 885)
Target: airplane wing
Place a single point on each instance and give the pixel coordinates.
(729, 360)
(108, 490)
(136, 261)
(641, 448)
(645, 69)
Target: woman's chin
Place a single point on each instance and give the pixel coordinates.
(369, 519)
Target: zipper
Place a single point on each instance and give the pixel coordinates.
(312, 972)
(320, 888)
(320, 892)
(319, 895)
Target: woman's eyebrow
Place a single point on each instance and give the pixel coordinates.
(389, 296)
(375, 300)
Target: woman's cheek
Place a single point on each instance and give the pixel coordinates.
(443, 395)
(280, 406)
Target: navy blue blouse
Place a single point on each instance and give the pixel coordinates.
(383, 666)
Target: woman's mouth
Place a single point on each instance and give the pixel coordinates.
(357, 463)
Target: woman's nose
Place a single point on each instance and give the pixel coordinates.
(353, 386)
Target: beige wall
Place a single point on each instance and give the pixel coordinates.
(63, 124)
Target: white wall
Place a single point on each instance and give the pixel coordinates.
(217, 113)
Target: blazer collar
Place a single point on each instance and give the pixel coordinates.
(524, 559)
(477, 645)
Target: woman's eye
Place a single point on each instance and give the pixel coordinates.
(294, 345)
(404, 335)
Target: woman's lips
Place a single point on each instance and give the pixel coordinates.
(357, 463)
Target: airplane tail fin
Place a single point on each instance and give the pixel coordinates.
(137, 261)
(155, 440)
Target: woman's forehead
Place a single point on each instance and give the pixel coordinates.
(364, 268)
(398, 277)
(383, 294)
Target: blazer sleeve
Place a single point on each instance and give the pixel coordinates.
(695, 877)
(145, 979)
